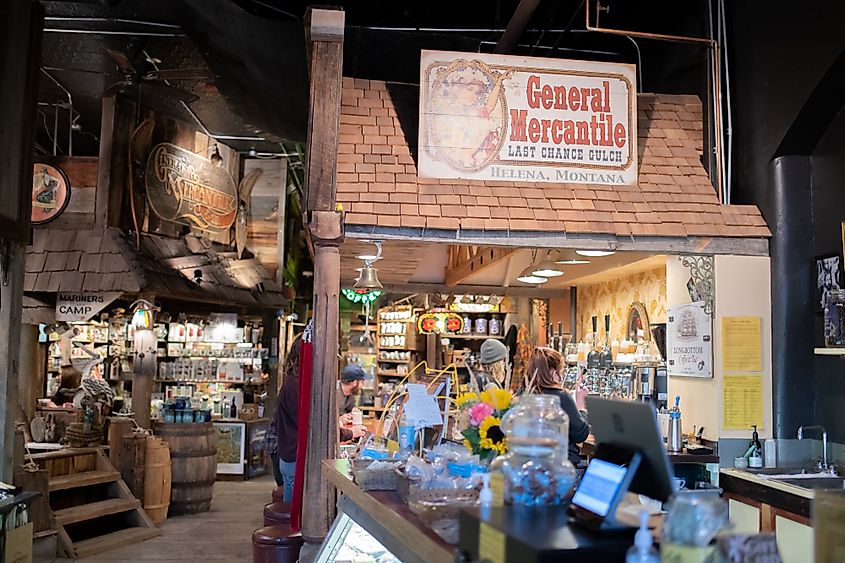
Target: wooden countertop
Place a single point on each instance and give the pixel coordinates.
(770, 483)
(589, 446)
(386, 508)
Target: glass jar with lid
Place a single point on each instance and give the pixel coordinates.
(834, 319)
(536, 469)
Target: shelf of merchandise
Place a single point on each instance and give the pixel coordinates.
(413, 343)
(390, 374)
(473, 336)
(394, 361)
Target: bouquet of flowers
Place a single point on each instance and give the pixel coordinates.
(482, 414)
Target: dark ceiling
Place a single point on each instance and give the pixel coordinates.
(255, 52)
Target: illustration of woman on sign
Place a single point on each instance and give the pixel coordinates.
(466, 115)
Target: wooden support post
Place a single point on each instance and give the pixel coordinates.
(143, 373)
(21, 24)
(116, 125)
(324, 30)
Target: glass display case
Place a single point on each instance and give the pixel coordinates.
(348, 541)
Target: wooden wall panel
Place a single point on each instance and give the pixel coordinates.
(265, 234)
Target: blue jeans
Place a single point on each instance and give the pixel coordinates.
(288, 469)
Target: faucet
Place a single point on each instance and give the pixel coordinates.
(825, 464)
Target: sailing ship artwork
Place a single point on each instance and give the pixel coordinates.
(50, 193)
(689, 336)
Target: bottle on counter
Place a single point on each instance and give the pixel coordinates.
(643, 549)
(675, 437)
(755, 450)
(233, 410)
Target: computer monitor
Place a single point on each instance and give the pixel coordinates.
(633, 426)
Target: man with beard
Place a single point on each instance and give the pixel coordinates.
(351, 380)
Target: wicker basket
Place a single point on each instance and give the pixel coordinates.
(373, 479)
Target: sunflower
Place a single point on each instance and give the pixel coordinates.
(466, 398)
(500, 399)
(467, 444)
(492, 437)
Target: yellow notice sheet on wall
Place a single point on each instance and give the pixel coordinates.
(742, 344)
(743, 401)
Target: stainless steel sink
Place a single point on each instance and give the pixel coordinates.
(777, 471)
(815, 482)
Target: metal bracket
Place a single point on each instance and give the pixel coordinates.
(702, 283)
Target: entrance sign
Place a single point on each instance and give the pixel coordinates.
(186, 188)
(82, 306)
(507, 118)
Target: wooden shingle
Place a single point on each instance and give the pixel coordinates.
(379, 138)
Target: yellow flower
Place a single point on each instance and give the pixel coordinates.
(486, 398)
(492, 437)
(500, 399)
(466, 398)
(467, 444)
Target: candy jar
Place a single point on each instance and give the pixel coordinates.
(536, 468)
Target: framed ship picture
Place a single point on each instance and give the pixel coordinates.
(50, 193)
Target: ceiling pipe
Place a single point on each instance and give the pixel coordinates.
(109, 20)
(56, 116)
(714, 73)
(112, 32)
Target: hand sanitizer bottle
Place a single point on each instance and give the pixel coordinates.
(643, 549)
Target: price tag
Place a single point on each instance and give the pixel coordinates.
(491, 544)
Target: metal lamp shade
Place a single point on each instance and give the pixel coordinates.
(368, 279)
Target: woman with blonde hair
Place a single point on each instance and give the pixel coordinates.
(545, 376)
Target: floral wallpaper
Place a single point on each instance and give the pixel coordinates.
(614, 297)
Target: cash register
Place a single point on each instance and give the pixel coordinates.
(629, 457)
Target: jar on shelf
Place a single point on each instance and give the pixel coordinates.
(495, 326)
(536, 469)
(467, 324)
(481, 326)
(834, 319)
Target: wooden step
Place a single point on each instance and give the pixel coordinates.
(99, 544)
(95, 510)
(83, 479)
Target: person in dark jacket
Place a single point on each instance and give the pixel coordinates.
(285, 418)
(546, 367)
(351, 379)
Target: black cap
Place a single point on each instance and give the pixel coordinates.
(352, 372)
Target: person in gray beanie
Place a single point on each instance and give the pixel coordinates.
(493, 358)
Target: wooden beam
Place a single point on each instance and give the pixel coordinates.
(740, 246)
(524, 291)
(480, 259)
(516, 26)
(324, 29)
(118, 117)
(324, 41)
(21, 25)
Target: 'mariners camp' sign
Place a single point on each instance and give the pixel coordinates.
(495, 117)
(186, 188)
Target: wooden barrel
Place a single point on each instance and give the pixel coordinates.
(193, 458)
(157, 480)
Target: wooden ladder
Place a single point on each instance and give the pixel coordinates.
(92, 508)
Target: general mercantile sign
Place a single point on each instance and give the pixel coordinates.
(509, 118)
(186, 188)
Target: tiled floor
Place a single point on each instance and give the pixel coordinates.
(222, 535)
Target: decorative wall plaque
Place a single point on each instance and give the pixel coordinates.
(50, 193)
(186, 188)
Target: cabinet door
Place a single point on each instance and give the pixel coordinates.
(795, 540)
(746, 517)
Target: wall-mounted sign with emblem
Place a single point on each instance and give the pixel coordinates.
(82, 306)
(50, 193)
(186, 188)
(497, 117)
(689, 341)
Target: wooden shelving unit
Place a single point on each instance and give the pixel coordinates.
(413, 343)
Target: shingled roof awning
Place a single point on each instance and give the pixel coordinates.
(377, 184)
(104, 261)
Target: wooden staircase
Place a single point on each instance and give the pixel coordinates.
(93, 509)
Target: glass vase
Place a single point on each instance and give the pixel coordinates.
(536, 468)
